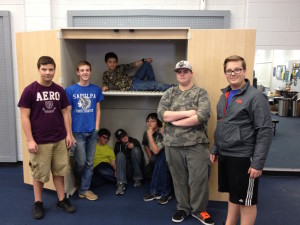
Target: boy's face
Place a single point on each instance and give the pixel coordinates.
(102, 140)
(84, 72)
(112, 63)
(236, 81)
(124, 139)
(184, 76)
(151, 123)
(46, 73)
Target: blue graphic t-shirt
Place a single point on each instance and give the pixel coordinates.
(83, 100)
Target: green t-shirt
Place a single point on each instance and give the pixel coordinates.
(103, 154)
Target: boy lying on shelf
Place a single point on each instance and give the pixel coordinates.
(117, 75)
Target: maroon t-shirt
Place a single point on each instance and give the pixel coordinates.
(45, 104)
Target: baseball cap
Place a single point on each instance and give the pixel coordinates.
(120, 133)
(183, 65)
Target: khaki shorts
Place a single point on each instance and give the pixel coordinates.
(52, 156)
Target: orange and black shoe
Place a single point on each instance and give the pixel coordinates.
(204, 218)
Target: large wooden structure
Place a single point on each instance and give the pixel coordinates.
(204, 49)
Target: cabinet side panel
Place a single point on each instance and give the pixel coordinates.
(207, 50)
(30, 46)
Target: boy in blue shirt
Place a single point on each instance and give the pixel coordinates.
(84, 113)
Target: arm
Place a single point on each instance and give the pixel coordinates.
(200, 116)
(69, 140)
(98, 116)
(152, 142)
(105, 82)
(148, 152)
(25, 120)
(165, 114)
(261, 117)
(171, 116)
(69, 110)
(189, 121)
(113, 164)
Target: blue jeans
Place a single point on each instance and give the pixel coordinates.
(161, 179)
(150, 166)
(129, 168)
(84, 157)
(140, 84)
(103, 173)
(145, 71)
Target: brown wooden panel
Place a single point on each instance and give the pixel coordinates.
(30, 46)
(207, 50)
(125, 33)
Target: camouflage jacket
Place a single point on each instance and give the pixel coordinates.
(119, 77)
(174, 99)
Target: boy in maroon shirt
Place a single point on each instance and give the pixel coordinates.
(46, 125)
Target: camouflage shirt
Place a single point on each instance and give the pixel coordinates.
(119, 77)
(174, 99)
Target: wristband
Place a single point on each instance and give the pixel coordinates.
(96, 130)
(143, 60)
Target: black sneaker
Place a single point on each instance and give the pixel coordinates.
(204, 218)
(66, 205)
(164, 199)
(150, 197)
(179, 216)
(38, 210)
(137, 183)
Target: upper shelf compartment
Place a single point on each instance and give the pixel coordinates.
(133, 93)
(125, 33)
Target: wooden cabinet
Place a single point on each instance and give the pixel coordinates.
(205, 49)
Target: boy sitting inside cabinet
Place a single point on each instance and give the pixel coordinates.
(143, 80)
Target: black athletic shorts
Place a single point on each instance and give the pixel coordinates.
(233, 178)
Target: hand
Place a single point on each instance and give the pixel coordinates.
(150, 60)
(130, 145)
(213, 158)
(104, 88)
(69, 141)
(32, 147)
(192, 113)
(150, 131)
(73, 141)
(254, 173)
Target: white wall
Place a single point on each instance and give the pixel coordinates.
(277, 21)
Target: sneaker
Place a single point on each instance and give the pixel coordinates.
(120, 189)
(88, 195)
(164, 199)
(179, 216)
(137, 183)
(150, 197)
(38, 210)
(66, 205)
(204, 218)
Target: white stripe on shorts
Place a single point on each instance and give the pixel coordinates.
(248, 201)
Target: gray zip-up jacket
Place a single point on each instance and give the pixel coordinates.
(245, 128)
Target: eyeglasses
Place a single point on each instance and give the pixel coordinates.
(236, 71)
(150, 121)
(105, 137)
